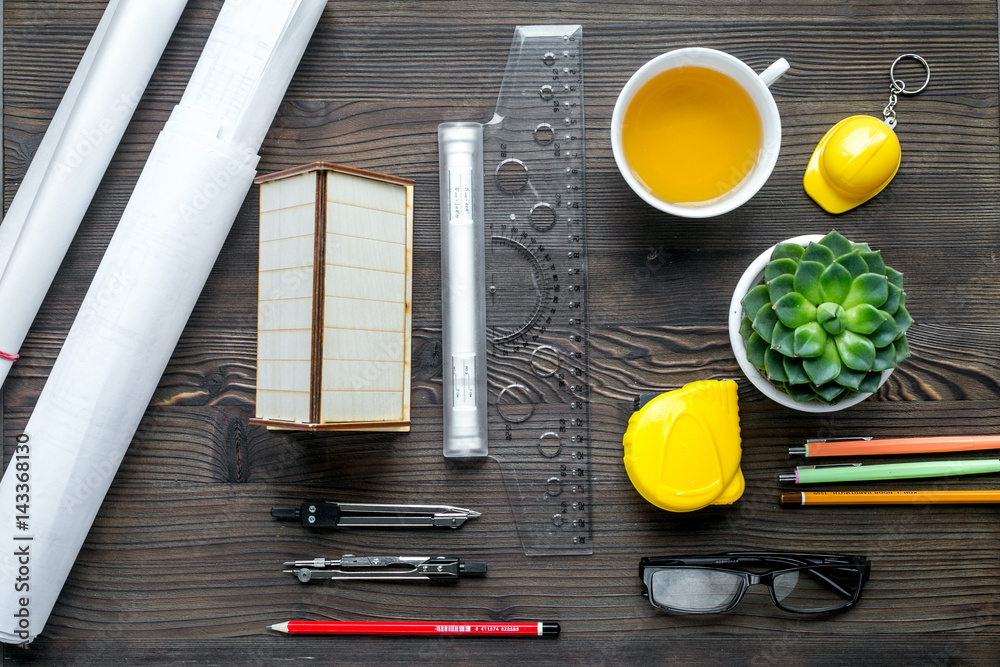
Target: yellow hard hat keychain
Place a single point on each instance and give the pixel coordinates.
(858, 157)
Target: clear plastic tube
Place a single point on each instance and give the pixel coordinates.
(463, 285)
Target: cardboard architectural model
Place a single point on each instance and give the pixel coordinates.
(334, 303)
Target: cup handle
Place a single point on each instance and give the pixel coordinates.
(774, 72)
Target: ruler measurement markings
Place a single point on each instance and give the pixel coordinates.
(536, 239)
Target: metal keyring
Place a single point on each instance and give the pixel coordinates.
(898, 83)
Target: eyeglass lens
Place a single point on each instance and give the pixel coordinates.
(817, 588)
(699, 590)
(694, 590)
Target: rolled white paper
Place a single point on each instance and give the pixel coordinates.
(171, 232)
(73, 156)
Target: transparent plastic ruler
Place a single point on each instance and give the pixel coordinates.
(536, 290)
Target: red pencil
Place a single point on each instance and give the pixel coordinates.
(426, 628)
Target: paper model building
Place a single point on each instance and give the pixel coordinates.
(334, 302)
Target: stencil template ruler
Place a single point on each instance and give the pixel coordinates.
(536, 290)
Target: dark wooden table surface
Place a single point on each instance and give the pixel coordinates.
(182, 562)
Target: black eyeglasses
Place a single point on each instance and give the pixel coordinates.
(799, 583)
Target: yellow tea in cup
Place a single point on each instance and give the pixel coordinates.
(691, 135)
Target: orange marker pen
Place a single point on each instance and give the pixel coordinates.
(869, 447)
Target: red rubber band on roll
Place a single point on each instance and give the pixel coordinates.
(9, 357)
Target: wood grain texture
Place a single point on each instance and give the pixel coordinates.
(183, 561)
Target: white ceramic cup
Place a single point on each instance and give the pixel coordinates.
(754, 84)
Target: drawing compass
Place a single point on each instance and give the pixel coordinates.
(393, 568)
(313, 514)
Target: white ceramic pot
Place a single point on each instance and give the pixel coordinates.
(751, 278)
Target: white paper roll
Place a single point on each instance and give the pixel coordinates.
(171, 232)
(73, 156)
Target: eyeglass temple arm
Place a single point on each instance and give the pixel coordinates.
(830, 583)
(742, 558)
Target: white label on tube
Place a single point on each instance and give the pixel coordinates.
(460, 194)
(463, 373)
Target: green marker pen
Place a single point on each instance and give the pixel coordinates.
(855, 472)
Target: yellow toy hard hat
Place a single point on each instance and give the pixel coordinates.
(854, 162)
(682, 448)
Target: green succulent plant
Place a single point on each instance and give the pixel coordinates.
(828, 319)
